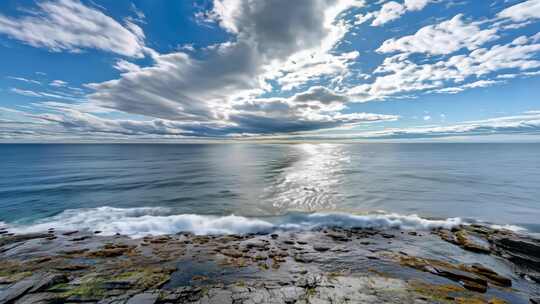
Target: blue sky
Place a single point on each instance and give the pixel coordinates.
(145, 70)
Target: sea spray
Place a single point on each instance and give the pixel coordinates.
(138, 222)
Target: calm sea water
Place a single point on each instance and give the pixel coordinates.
(499, 183)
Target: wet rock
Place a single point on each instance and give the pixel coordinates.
(13, 278)
(256, 245)
(534, 300)
(81, 238)
(74, 251)
(475, 277)
(519, 250)
(81, 299)
(72, 267)
(40, 298)
(320, 248)
(341, 249)
(11, 239)
(260, 257)
(232, 253)
(469, 281)
(123, 284)
(121, 299)
(534, 277)
(338, 237)
(48, 280)
(108, 253)
(446, 235)
(17, 290)
(199, 278)
(470, 243)
(474, 286)
(301, 258)
(491, 275)
(68, 233)
(160, 240)
(274, 236)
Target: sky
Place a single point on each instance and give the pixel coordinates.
(175, 71)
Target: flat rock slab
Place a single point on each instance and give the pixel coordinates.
(144, 298)
(39, 298)
(17, 290)
(48, 280)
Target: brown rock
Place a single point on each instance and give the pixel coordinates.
(107, 253)
(232, 253)
(468, 243)
(72, 267)
(491, 275)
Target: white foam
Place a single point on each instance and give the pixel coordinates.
(378, 221)
(138, 222)
(512, 228)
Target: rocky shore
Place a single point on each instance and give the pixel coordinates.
(469, 264)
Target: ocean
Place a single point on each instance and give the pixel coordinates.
(139, 189)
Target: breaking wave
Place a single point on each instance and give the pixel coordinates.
(138, 222)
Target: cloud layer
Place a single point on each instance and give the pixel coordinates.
(285, 68)
(221, 91)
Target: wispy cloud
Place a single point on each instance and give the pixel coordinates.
(69, 25)
(440, 39)
(24, 80)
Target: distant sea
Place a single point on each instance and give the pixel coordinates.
(143, 189)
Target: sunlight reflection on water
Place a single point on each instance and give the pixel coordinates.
(313, 181)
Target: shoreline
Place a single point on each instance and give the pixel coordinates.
(464, 264)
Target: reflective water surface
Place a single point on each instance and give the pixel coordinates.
(492, 182)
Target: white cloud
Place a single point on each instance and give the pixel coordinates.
(527, 123)
(302, 69)
(390, 11)
(440, 39)
(523, 11)
(399, 74)
(285, 49)
(472, 85)
(126, 66)
(58, 83)
(70, 25)
(290, 42)
(416, 5)
(46, 94)
(24, 80)
(28, 93)
(73, 119)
